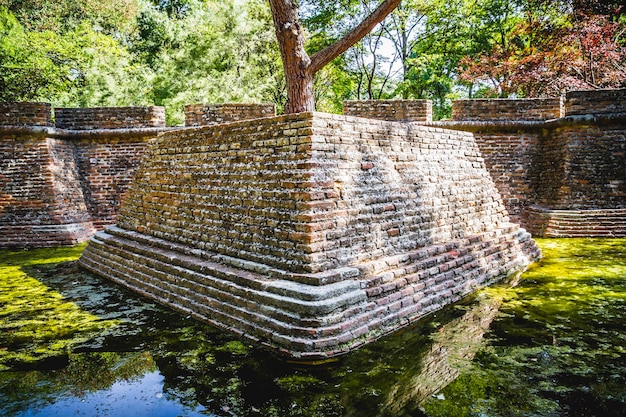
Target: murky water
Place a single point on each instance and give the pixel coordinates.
(72, 344)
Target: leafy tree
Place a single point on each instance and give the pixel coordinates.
(300, 68)
(33, 65)
(555, 47)
(113, 17)
(217, 52)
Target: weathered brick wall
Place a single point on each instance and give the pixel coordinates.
(392, 110)
(511, 157)
(582, 166)
(548, 222)
(311, 233)
(595, 102)
(507, 109)
(211, 114)
(59, 187)
(253, 175)
(106, 163)
(41, 201)
(25, 114)
(109, 118)
(536, 156)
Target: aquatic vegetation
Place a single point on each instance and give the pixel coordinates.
(553, 345)
(557, 346)
(38, 323)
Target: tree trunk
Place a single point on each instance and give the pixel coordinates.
(296, 61)
(299, 67)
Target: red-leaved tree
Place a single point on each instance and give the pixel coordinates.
(589, 52)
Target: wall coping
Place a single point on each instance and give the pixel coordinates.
(607, 119)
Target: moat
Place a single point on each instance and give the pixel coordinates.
(72, 344)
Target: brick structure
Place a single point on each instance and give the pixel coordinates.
(58, 187)
(25, 114)
(310, 233)
(536, 109)
(550, 169)
(392, 110)
(211, 114)
(109, 118)
(595, 102)
(61, 183)
(41, 201)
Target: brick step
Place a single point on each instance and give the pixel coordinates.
(289, 295)
(241, 308)
(308, 321)
(257, 271)
(578, 223)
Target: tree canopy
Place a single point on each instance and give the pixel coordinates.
(175, 52)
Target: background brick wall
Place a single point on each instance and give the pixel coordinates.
(595, 102)
(60, 187)
(582, 166)
(109, 118)
(392, 110)
(507, 109)
(210, 114)
(25, 114)
(106, 165)
(41, 201)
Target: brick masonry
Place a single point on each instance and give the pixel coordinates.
(25, 114)
(595, 102)
(508, 109)
(545, 165)
(311, 233)
(60, 184)
(109, 117)
(391, 110)
(210, 114)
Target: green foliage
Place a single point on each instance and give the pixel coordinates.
(216, 53)
(113, 17)
(166, 53)
(33, 65)
(177, 52)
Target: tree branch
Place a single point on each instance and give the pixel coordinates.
(323, 57)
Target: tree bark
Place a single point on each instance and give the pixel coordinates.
(299, 67)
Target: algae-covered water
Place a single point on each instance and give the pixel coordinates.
(72, 344)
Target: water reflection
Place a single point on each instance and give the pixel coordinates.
(155, 362)
(452, 349)
(525, 351)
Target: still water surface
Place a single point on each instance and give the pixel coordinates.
(72, 344)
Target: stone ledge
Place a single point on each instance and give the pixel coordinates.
(315, 279)
(303, 321)
(42, 235)
(546, 222)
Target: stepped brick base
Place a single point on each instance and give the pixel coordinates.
(311, 233)
(307, 321)
(576, 223)
(45, 235)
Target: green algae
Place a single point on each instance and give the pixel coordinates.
(551, 346)
(557, 346)
(37, 323)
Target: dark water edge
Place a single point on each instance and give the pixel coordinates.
(72, 344)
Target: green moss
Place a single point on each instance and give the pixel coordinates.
(556, 347)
